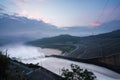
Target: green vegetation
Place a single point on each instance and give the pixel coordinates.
(62, 39)
(65, 43)
(76, 73)
(96, 46)
(63, 48)
(101, 45)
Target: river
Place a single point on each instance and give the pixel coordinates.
(30, 54)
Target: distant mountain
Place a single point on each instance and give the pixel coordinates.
(62, 39)
(113, 34)
(62, 42)
(110, 26)
(17, 28)
(101, 45)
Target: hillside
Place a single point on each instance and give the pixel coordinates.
(62, 39)
(101, 45)
(62, 42)
(12, 69)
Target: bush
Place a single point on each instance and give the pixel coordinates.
(76, 73)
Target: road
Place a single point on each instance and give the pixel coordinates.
(85, 51)
(72, 52)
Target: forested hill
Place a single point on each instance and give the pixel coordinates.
(89, 47)
(61, 39)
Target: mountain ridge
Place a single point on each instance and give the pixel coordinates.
(101, 45)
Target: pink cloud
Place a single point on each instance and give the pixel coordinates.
(26, 14)
(95, 24)
(46, 20)
(22, 12)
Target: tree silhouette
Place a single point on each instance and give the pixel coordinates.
(4, 63)
(76, 73)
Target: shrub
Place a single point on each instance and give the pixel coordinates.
(76, 73)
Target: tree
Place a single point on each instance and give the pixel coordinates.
(4, 63)
(10, 71)
(76, 73)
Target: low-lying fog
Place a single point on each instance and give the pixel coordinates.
(24, 52)
(31, 54)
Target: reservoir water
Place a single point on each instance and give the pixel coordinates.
(30, 54)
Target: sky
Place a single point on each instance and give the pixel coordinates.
(64, 13)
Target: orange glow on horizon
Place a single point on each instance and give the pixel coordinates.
(95, 24)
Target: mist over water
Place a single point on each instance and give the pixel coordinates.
(31, 54)
(24, 52)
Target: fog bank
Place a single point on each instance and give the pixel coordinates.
(25, 52)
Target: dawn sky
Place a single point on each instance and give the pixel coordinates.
(64, 13)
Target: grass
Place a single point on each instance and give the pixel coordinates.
(63, 48)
